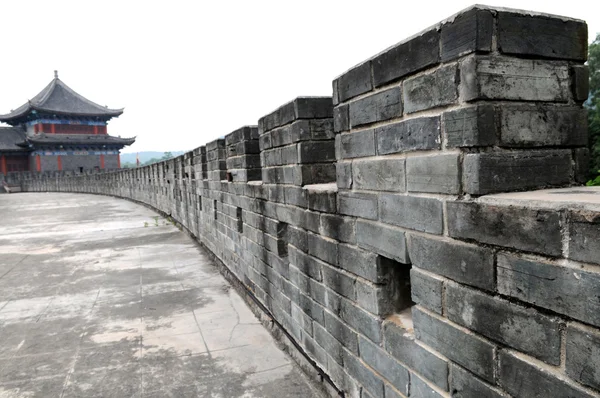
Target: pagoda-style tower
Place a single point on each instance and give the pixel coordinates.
(59, 129)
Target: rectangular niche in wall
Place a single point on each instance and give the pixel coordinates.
(396, 286)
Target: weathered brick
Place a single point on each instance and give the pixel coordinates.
(408, 57)
(359, 144)
(365, 323)
(362, 205)
(461, 262)
(438, 173)
(325, 249)
(369, 380)
(410, 135)
(583, 355)
(360, 262)
(431, 90)
(564, 290)
(316, 152)
(377, 107)
(387, 241)
(515, 227)
(463, 384)
(343, 172)
(470, 127)
(584, 237)
(341, 332)
(313, 107)
(324, 201)
(420, 214)
(354, 82)
(339, 282)
(525, 126)
(496, 78)
(466, 33)
(402, 346)
(338, 227)
(505, 322)
(458, 345)
(512, 171)
(333, 347)
(341, 118)
(581, 158)
(242, 134)
(525, 379)
(383, 363)
(305, 263)
(419, 388)
(542, 36)
(379, 174)
(426, 290)
(581, 82)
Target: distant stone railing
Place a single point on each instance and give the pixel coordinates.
(369, 226)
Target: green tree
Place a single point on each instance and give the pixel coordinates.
(593, 105)
(167, 156)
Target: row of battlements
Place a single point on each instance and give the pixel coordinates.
(389, 229)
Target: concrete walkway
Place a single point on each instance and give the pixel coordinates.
(100, 297)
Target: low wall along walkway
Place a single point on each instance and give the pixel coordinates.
(378, 227)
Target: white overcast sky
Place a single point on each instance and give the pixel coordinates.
(188, 72)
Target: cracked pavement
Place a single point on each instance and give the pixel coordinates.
(99, 297)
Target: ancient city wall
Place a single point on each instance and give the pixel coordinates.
(369, 225)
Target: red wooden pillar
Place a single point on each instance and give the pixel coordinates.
(38, 163)
(3, 164)
(59, 163)
(118, 161)
(53, 128)
(95, 130)
(102, 162)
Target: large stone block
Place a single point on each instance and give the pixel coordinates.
(421, 133)
(510, 324)
(387, 241)
(408, 57)
(515, 227)
(526, 379)
(377, 107)
(379, 174)
(458, 345)
(466, 33)
(502, 78)
(583, 355)
(564, 290)
(439, 173)
(417, 213)
(542, 36)
(431, 90)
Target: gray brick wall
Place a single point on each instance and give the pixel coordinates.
(370, 235)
